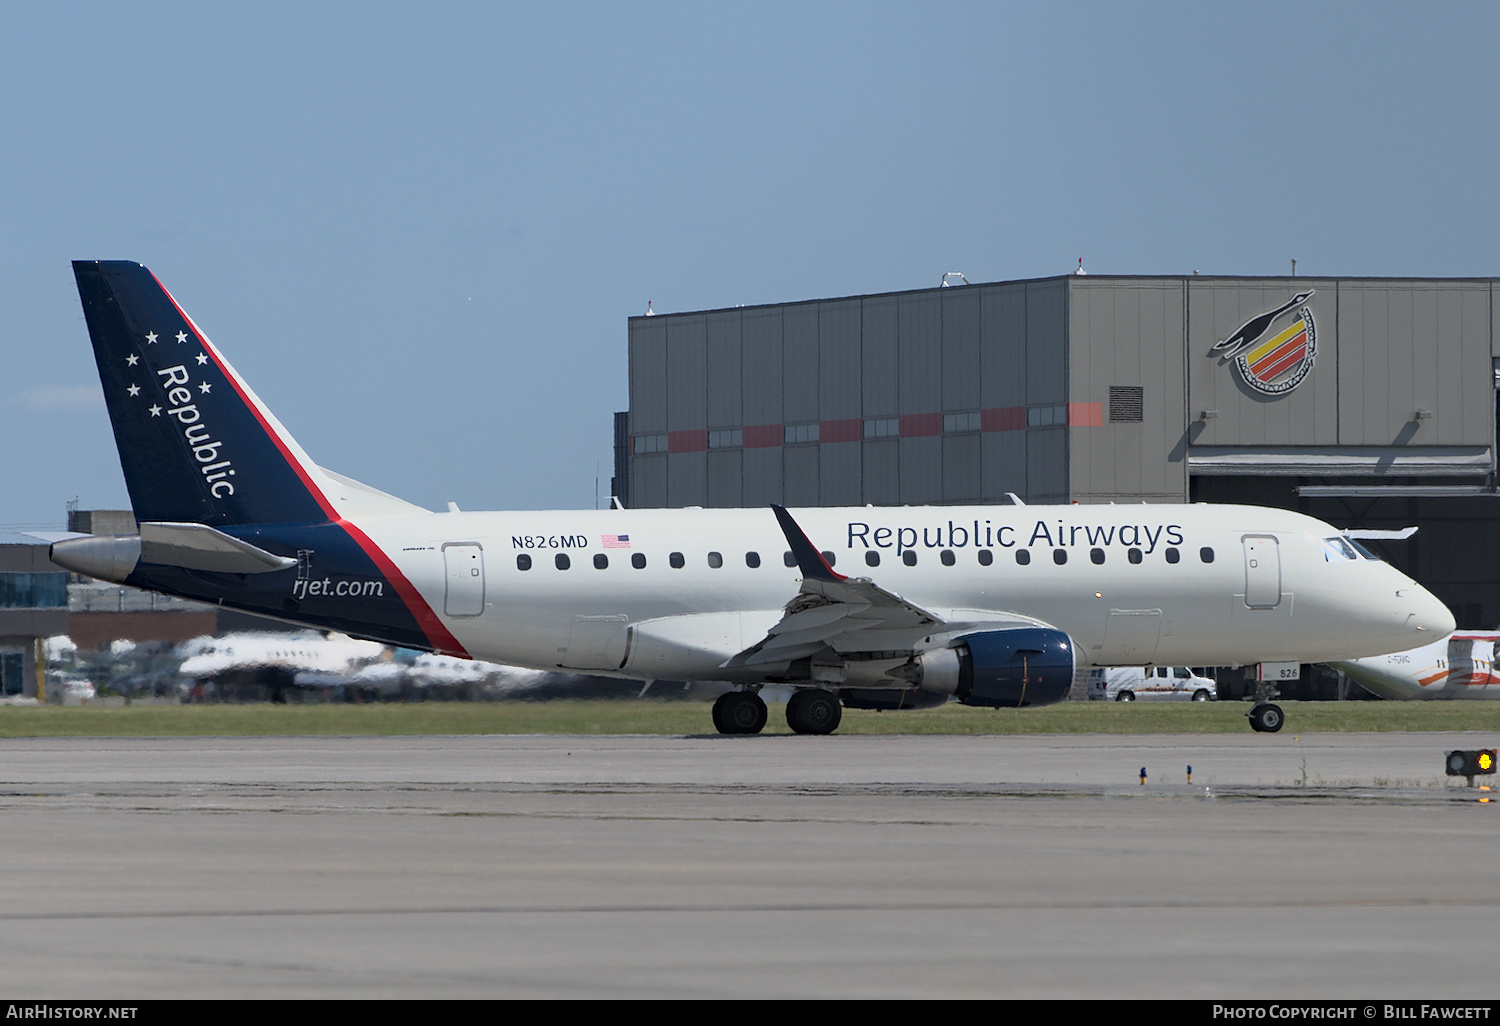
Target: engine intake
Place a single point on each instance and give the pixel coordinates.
(1009, 669)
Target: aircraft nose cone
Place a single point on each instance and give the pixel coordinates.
(1428, 614)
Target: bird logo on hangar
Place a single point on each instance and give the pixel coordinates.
(1278, 364)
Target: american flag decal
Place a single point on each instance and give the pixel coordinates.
(616, 541)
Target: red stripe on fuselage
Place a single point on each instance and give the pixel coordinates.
(438, 636)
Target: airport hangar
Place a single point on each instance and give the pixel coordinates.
(1366, 402)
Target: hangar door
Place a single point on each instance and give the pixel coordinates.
(1262, 571)
(465, 592)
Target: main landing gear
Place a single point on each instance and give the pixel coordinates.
(808, 711)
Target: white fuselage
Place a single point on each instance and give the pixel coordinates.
(1269, 594)
(1461, 665)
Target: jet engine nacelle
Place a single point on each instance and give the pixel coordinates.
(1027, 666)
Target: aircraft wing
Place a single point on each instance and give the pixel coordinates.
(830, 609)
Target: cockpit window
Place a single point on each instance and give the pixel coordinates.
(1362, 550)
(1338, 550)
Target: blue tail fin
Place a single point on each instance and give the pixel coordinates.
(195, 443)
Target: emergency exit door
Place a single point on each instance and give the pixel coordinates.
(465, 593)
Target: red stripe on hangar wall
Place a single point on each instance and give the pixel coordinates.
(763, 436)
(850, 430)
(1085, 414)
(687, 441)
(1003, 418)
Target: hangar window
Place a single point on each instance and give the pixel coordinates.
(1173, 555)
(798, 433)
(1097, 555)
(676, 560)
(909, 558)
(650, 443)
(752, 559)
(883, 427)
(1047, 416)
(1135, 555)
(715, 560)
(789, 559)
(1206, 554)
(638, 560)
(1059, 556)
(562, 561)
(1023, 556)
(956, 422)
(947, 557)
(1127, 404)
(726, 439)
(601, 561)
(986, 557)
(872, 558)
(830, 558)
(523, 562)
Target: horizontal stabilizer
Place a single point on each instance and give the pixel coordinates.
(200, 547)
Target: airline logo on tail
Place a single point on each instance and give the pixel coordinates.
(1275, 365)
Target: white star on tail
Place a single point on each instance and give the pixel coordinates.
(151, 339)
(202, 359)
(181, 337)
(135, 390)
(156, 411)
(205, 386)
(132, 360)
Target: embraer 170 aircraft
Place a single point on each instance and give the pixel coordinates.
(1462, 665)
(993, 605)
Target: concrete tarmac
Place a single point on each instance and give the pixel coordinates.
(1314, 866)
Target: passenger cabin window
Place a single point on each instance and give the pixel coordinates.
(789, 559)
(523, 562)
(986, 557)
(1023, 556)
(715, 560)
(752, 559)
(562, 561)
(1173, 555)
(601, 561)
(1097, 555)
(1059, 556)
(830, 557)
(638, 560)
(1206, 554)
(947, 557)
(677, 561)
(909, 558)
(1135, 555)
(872, 558)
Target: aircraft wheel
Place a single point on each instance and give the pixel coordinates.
(1200, 695)
(739, 712)
(1266, 718)
(1125, 696)
(814, 711)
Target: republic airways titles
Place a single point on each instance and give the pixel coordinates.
(1006, 536)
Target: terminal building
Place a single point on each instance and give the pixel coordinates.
(1366, 402)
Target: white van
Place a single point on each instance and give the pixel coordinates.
(1167, 683)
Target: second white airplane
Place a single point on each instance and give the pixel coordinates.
(994, 605)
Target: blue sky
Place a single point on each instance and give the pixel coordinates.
(418, 230)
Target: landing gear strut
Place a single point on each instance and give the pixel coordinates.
(739, 712)
(814, 711)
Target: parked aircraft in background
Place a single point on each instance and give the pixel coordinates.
(993, 605)
(1461, 665)
(276, 661)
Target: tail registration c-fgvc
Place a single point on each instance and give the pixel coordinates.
(993, 605)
